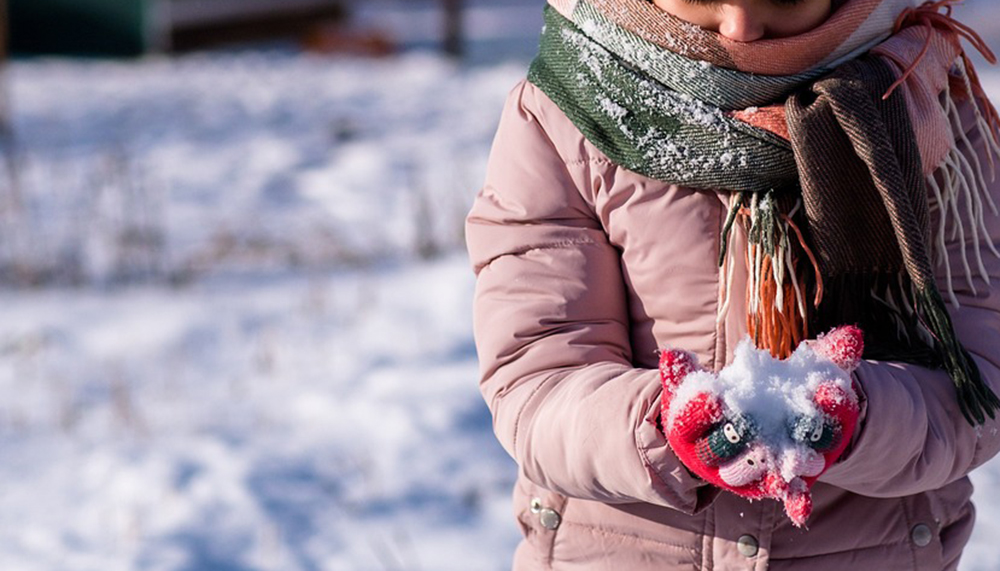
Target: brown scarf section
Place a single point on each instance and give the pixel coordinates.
(862, 247)
(865, 233)
(866, 202)
(868, 222)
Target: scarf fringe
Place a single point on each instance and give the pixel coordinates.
(961, 180)
(777, 311)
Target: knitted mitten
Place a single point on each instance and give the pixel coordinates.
(763, 427)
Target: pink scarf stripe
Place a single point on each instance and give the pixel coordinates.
(932, 77)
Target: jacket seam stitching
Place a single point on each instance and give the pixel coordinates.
(908, 531)
(707, 550)
(759, 561)
(604, 531)
(947, 513)
(561, 508)
(851, 551)
(546, 246)
(567, 165)
(588, 192)
(590, 160)
(520, 413)
(721, 290)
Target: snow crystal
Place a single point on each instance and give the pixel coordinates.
(613, 110)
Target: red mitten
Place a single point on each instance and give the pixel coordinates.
(764, 427)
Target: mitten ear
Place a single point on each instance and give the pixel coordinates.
(842, 345)
(693, 421)
(674, 366)
(836, 402)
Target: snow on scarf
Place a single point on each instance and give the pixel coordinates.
(828, 140)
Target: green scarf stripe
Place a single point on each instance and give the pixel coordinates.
(647, 128)
(724, 88)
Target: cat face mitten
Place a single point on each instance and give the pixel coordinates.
(764, 427)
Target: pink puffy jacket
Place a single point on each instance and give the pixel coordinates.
(584, 270)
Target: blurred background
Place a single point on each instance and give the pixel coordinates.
(236, 326)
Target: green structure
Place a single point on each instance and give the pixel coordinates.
(135, 27)
(81, 27)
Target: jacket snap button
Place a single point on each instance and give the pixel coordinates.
(549, 518)
(536, 505)
(921, 535)
(747, 545)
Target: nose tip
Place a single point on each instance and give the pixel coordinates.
(738, 24)
(799, 462)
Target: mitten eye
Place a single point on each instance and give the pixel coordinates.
(724, 441)
(730, 432)
(820, 434)
(817, 434)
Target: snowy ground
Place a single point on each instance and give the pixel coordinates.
(284, 377)
(170, 168)
(328, 421)
(255, 349)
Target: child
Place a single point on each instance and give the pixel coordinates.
(677, 175)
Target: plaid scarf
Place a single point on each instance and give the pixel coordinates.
(829, 142)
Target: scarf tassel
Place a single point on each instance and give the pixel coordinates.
(777, 309)
(961, 180)
(975, 399)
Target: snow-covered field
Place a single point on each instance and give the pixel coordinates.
(169, 168)
(284, 376)
(324, 421)
(254, 347)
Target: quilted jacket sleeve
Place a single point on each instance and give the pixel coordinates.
(913, 436)
(552, 329)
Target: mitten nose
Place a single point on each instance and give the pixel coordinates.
(747, 467)
(801, 461)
